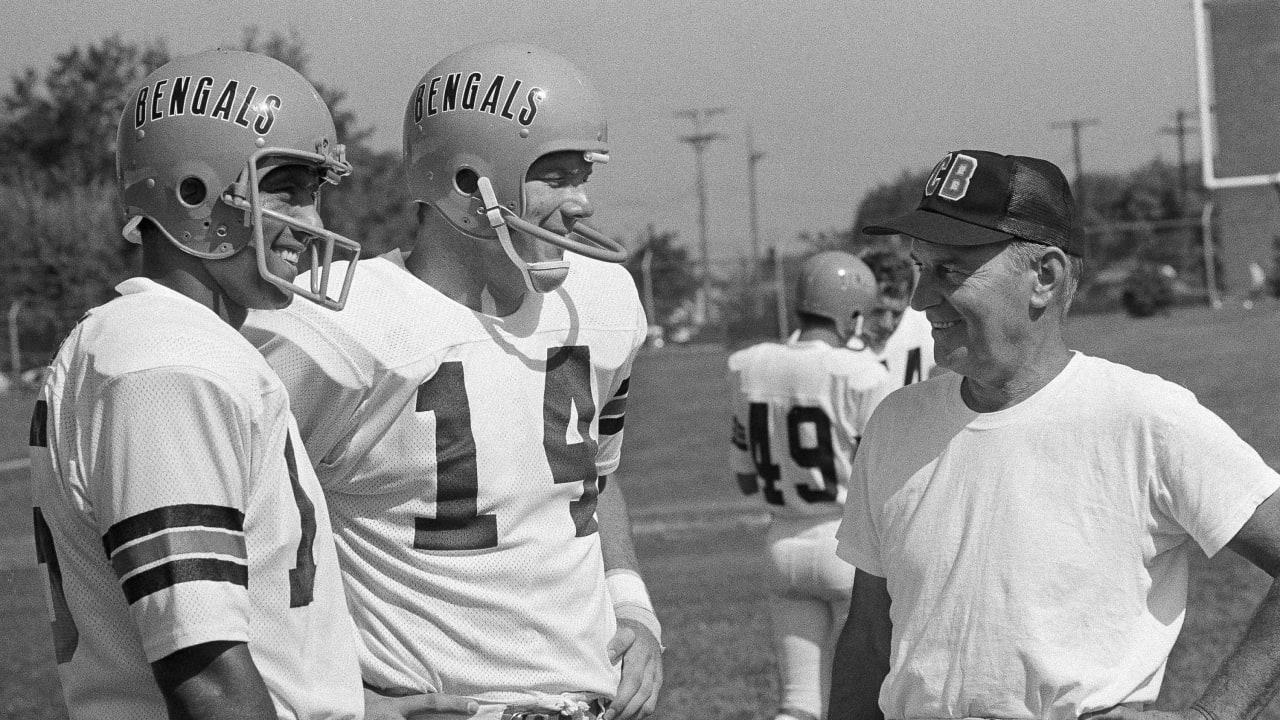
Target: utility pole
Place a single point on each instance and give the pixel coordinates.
(1076, 124)
(753, 157)
(15, 352)
(1180, 129)
(699, 140)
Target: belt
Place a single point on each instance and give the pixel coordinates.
(584, 710)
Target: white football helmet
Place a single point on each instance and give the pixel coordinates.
(475, 123)
(838, 286)
(193, 141)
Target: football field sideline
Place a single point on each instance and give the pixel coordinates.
(12, 465)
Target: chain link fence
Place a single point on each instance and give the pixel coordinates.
(751, 301)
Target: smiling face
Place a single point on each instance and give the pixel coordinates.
(291, 190)
(555, 197)
(978, 300)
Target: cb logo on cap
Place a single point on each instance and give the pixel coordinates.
(950, 177)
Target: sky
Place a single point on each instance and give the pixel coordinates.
(839, 96)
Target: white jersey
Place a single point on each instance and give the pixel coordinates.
(908, 353)
(798, 411)
(460, 453)
(175, 505)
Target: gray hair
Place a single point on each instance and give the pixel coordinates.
(1027, 254)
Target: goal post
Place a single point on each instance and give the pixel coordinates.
(1237, 46)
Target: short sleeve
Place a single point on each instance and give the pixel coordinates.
(169, 476)
(739, 442)
(613, 414)
(858, 541)
(1207, 478)
(613, 418)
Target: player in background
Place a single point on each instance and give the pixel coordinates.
(895, 334)
(798, 412)
(191, 566)
(466, 409)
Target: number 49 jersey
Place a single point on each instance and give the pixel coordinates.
(798, 411)
(460, 455)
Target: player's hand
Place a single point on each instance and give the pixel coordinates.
(1120, 712)
(641, 658)
(429, 706)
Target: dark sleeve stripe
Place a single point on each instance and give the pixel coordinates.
(624, 388)
(171, 516)
(611, 425)
(180, 571)
(616, 406)
(739, 437)
(39, 436)
(175, 543)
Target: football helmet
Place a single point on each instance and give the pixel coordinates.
(474, 124)
(194, 139)
(838, 286)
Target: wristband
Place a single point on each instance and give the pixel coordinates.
(631, 600)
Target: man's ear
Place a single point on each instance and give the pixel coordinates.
(1050, 277)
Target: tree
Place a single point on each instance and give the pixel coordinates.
(372, 205)
(60, 244)
(888, 200)
(58, 129)
(290, 50)
(673, 281)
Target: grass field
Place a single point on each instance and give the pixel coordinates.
(700, 542)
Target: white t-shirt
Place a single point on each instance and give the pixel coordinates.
(176, 505)
(1036, 557)
(908, 353)
(460, 455)
(798, 411)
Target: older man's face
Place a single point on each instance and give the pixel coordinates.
(976, 299)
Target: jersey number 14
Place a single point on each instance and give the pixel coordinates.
(458, 525)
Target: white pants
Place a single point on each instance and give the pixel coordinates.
(808, 603)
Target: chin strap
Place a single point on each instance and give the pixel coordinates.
(549, 274)
(539, 277)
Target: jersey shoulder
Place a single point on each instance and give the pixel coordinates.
(152, 331)
(391, 319)
(743, 359)
(603, 294)
(860, 370)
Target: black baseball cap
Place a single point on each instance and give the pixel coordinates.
(974, 197)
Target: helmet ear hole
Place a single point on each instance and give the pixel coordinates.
(467, 181)
(192, 191)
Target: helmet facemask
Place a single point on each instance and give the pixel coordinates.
(335, 166)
